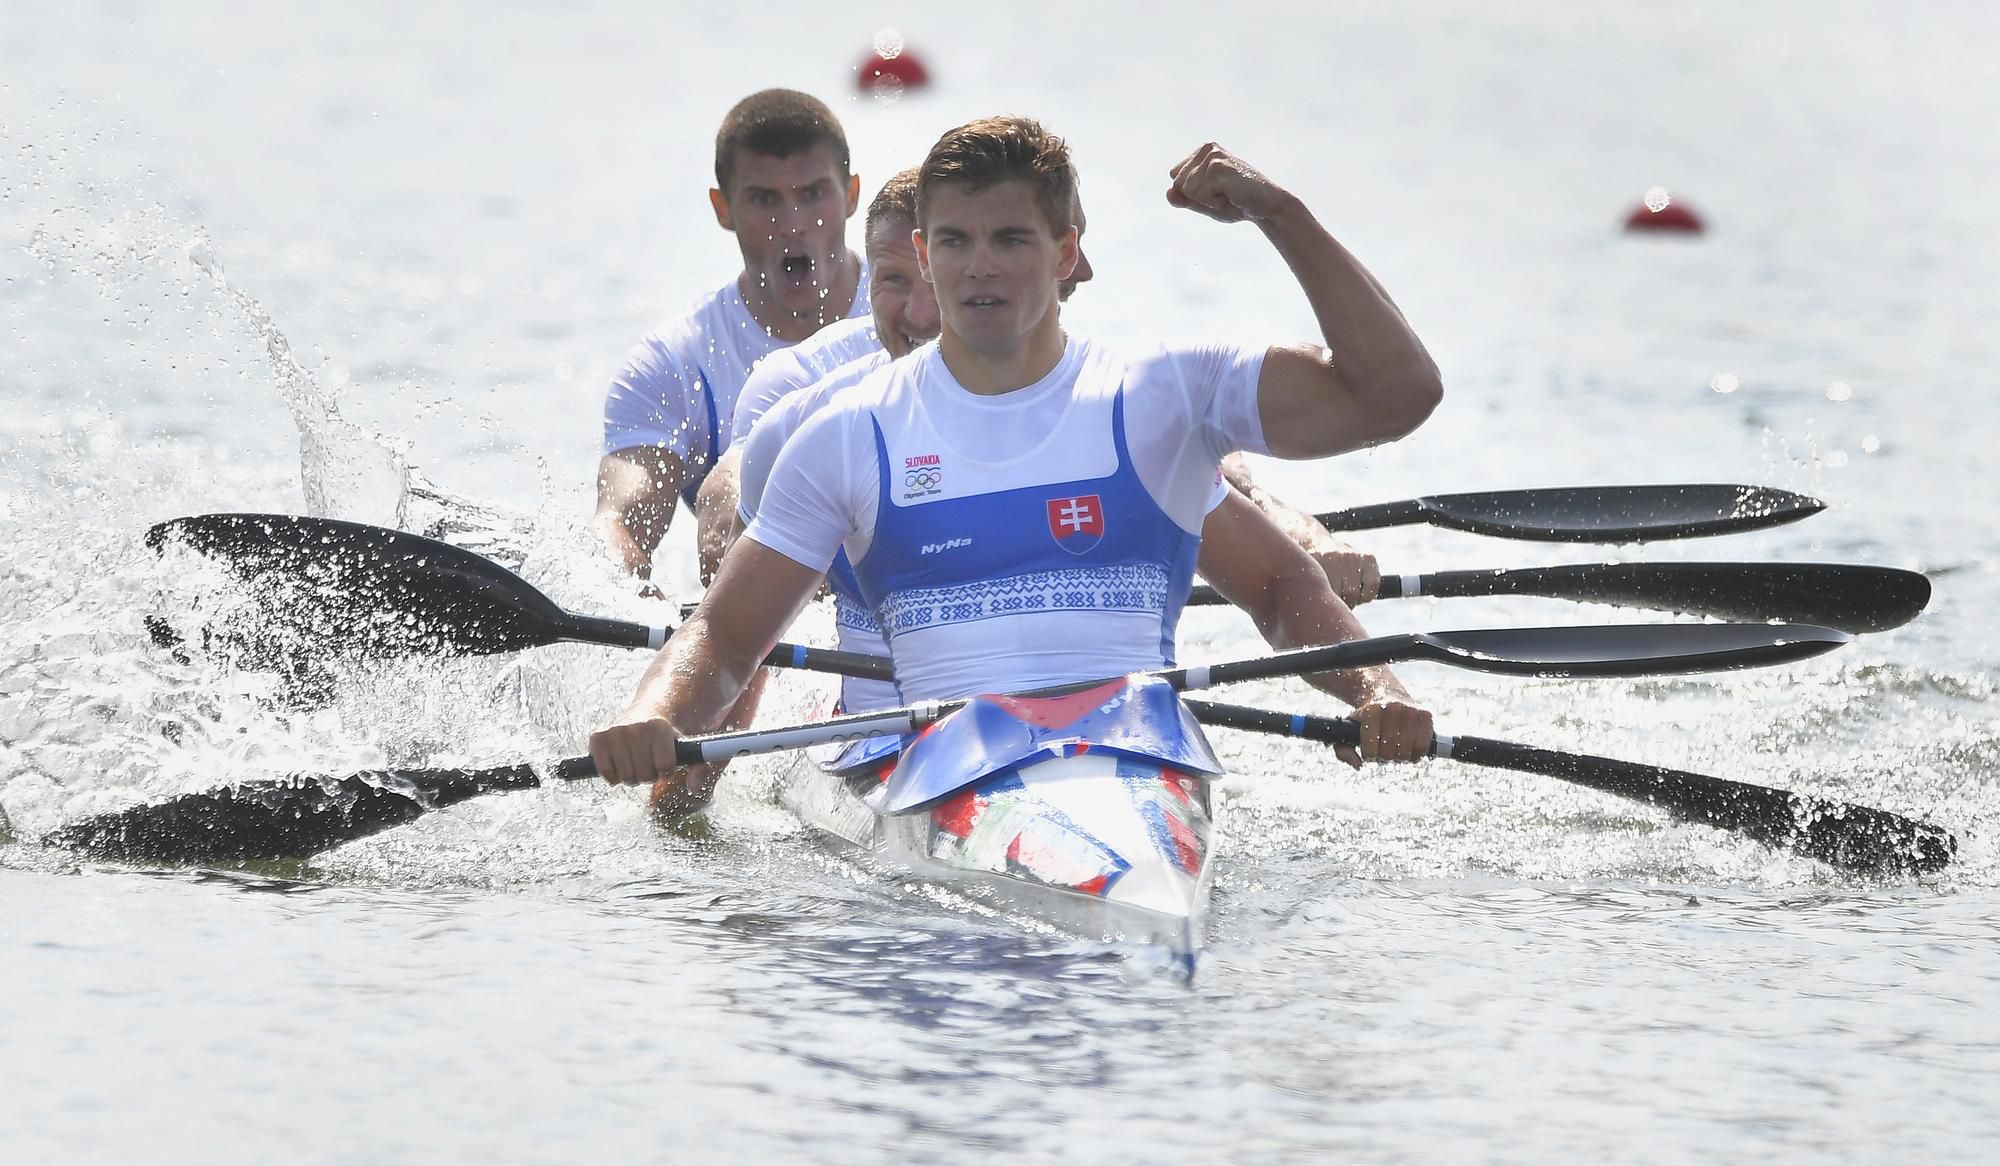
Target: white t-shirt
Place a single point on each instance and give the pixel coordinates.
(678, 388)
(807, 362)
(759, 449)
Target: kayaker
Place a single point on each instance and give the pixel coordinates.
(1061, 551)
(904, 316)
(783, 188)
(1243, 540)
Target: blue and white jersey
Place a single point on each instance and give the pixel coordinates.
(1034, 537)
(854, 621)
(677, 390)
(805, 363)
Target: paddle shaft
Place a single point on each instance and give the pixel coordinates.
(1850, 597)
(1589, 651)
(384, 592)
(303, 815)
(619, 633)
(1838, 833)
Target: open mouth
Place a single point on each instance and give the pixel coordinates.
(798, 268)
(984, 302)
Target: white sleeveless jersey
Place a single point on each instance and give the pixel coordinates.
(1009, 542)
(678, 388)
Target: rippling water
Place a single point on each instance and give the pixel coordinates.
(313, 261)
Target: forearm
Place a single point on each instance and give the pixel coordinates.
(620, 543)
(695, 680)
(636, 493)
(1354, 574)
(1296, 524)
(1303, 612)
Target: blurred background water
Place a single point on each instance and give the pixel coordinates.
(332, 258)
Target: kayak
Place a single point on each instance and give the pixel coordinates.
(1091, 813)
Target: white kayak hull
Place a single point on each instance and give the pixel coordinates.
(1100, 844)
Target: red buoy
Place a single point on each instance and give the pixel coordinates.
(1659, 212)
(890, 68)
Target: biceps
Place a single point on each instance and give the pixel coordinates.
(1305, 409)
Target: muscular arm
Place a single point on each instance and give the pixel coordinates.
(1353, 573)
(636, 492)
(697, 677)
(1373, 381)
(1251, 562)
(715, 513)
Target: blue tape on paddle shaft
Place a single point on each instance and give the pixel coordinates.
(798, 656)
(1298, 725)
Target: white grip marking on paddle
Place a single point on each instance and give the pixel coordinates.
(1197, 676)
(801, 736)
(1413, 586)
(656, 638)
(1440, 745)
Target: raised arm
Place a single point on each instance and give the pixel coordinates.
(1372, 381)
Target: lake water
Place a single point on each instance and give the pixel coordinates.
(304, 258)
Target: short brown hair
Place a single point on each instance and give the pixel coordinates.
(992, 150)
(896, 200)
(777, 123)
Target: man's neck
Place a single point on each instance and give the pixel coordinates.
(780, 324)
(990, 374)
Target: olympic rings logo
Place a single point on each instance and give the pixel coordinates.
(923, 479)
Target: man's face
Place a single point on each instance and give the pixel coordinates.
(905, 307)
(790, 218)
(994, 261)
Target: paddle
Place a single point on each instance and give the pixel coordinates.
(1839, 834)
(384, 592)
(1591, 514)
(380, 592)
(301, 815)
(1849, 597)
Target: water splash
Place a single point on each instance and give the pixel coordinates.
(344, 471)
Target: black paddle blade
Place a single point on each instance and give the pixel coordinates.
(1852, 598)
(1590, 514)
(1629, 649)
(324, 584)
(1851, 837)
(290, 818)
